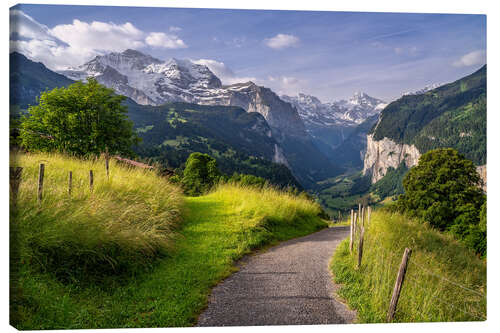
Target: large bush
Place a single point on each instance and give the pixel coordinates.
(444, 190)
(82, 119)
(200, 174)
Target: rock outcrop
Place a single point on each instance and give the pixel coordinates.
(384, 154)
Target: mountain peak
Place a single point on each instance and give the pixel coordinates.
(134, 53)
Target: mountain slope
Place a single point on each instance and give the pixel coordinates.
(453, 115)
(329, 124)
(239, 141)
(150, 81)
(28, 79)
(351, 152)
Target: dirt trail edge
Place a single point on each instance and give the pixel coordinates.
(289, 284)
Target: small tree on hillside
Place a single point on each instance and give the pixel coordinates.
(82, 119)
(444, 190)
(200, 174)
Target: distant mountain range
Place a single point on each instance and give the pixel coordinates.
(331, 124)
(148, 81)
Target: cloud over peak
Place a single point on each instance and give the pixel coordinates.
(477, 57)
(223, 72)
(282, 41)
(67, 45)
(166, 41)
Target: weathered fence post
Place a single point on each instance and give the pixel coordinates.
(369, 214)
(356, 217)
(398, 285)
(15, 181)
(41, 172)
(360, 246)
(91, 180)
(352, 230)
(70, 182)
(362, 216)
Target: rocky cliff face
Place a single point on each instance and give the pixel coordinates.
(383, 154)
(481, 170)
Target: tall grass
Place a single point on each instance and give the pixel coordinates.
(216, 230)
(121, 226)
(267, 210)
(445, 280)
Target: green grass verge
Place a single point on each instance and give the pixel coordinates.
(439, 269)
(217, 229)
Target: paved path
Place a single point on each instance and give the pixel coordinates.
(286, 285)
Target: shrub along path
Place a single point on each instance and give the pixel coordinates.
(288, 284)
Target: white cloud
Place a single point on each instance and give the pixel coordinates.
(166, 41)
(25, 27)
(285, 85)
(67, 45)
(282, 41)
(99, 35)
(224, 73)
(477, 57)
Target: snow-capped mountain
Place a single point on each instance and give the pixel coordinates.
(424, 89)
(150, 81)
(351, 112)
(329, 124)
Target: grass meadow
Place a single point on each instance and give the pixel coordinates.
(135, 252)
(445, 281)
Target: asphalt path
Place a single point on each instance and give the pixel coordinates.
(289, 284)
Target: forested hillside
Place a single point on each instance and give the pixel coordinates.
(28, 79)
(238, 140)
(453, 115)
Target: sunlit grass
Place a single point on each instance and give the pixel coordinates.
(121, 225)
(445, 280)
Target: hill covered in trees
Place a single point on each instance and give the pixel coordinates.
(453, 115)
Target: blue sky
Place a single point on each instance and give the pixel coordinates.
(327, 54)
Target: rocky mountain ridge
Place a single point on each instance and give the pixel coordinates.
(150, 81)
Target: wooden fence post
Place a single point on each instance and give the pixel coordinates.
(398, 285)
(360, 246)
(369, 214)
(356, 217)
(41, 172)
(70, 182)
(352, 230)
(91, 180)
(362, 216)
(15, 181)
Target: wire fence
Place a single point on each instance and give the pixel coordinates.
(426, 294)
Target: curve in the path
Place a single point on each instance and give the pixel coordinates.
(290, 284)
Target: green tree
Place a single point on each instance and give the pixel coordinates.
(82, 119)
(200, 174)
(444, 190)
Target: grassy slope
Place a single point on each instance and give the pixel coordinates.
(217, 229)
(425, 295)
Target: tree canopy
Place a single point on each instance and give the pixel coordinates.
(444, 190)
(200, 174)
(82, 119)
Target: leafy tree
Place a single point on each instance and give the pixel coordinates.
(443, 189)
(200, 174)
(82, 119)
